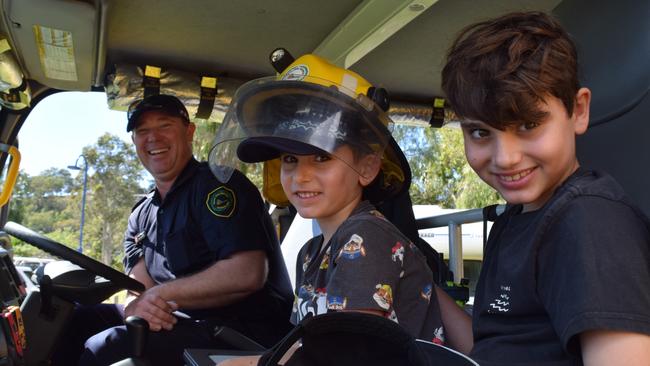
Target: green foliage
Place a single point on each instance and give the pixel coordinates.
(441, 175)
(50, 203)
(41, 202)
(114, 190)
(476, 193)
(21, 249)
(203, 136)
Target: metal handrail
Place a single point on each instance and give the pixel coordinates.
(454, 222)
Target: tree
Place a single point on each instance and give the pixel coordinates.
(42, 204)
(203, 137)
(440, 172)
(113, 190)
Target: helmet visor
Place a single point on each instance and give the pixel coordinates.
(269, 118)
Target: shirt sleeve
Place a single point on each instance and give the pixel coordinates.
(132, 251)
(232, 217)
(365, 272)
(594, 269)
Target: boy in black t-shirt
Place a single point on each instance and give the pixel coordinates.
(566, 277)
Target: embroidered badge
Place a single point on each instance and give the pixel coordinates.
(221, 202)
(353, 249)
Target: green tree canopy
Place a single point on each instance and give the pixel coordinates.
(441, 175)
(114, 188)
(50, 203)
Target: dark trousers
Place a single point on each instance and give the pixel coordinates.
(96, 335)
(86, 321)
(163, 347)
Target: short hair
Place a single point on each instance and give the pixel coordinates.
(498, 71)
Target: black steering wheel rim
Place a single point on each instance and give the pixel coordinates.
(55, 248)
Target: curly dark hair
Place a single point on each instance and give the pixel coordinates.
(499, 71)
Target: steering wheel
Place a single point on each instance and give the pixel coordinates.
(116, 277)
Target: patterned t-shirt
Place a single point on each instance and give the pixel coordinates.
(368, 265)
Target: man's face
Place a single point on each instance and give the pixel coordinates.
(163, 144)
(526, 163)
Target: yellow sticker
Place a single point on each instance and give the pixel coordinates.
(439, 102)
(56, 52)
(152, 71)
(209, 82)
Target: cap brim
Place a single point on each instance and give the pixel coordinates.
(258, 149)
(133, 121)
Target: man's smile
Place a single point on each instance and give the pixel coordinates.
(158, 151)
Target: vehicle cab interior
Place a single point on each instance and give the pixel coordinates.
(203, 50)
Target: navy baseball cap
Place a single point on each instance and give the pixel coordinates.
(164, 103)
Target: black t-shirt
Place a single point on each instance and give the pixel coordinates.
(200, 222)
(581, 262)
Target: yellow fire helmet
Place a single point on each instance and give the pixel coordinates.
(311, 107)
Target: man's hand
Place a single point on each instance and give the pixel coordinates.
(151, 307)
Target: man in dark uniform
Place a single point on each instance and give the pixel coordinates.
(199, 246)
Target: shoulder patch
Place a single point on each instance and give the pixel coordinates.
(221, 202)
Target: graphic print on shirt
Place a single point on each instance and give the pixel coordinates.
(305, 262)
(383, 296)
(337, 302)
(426, 292)
(325, 263)
(502, 303)
(310, 301)
(353, 249)
(397, 252)
(438, 336)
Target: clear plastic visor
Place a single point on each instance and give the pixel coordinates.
(269, 117)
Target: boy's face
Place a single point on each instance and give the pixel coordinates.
(526, 163)
(323, 187)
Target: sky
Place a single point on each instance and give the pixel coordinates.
(61, 125)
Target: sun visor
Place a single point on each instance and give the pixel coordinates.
(205, 97)
(58, 41)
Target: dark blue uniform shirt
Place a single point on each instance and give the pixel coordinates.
(200, 222)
